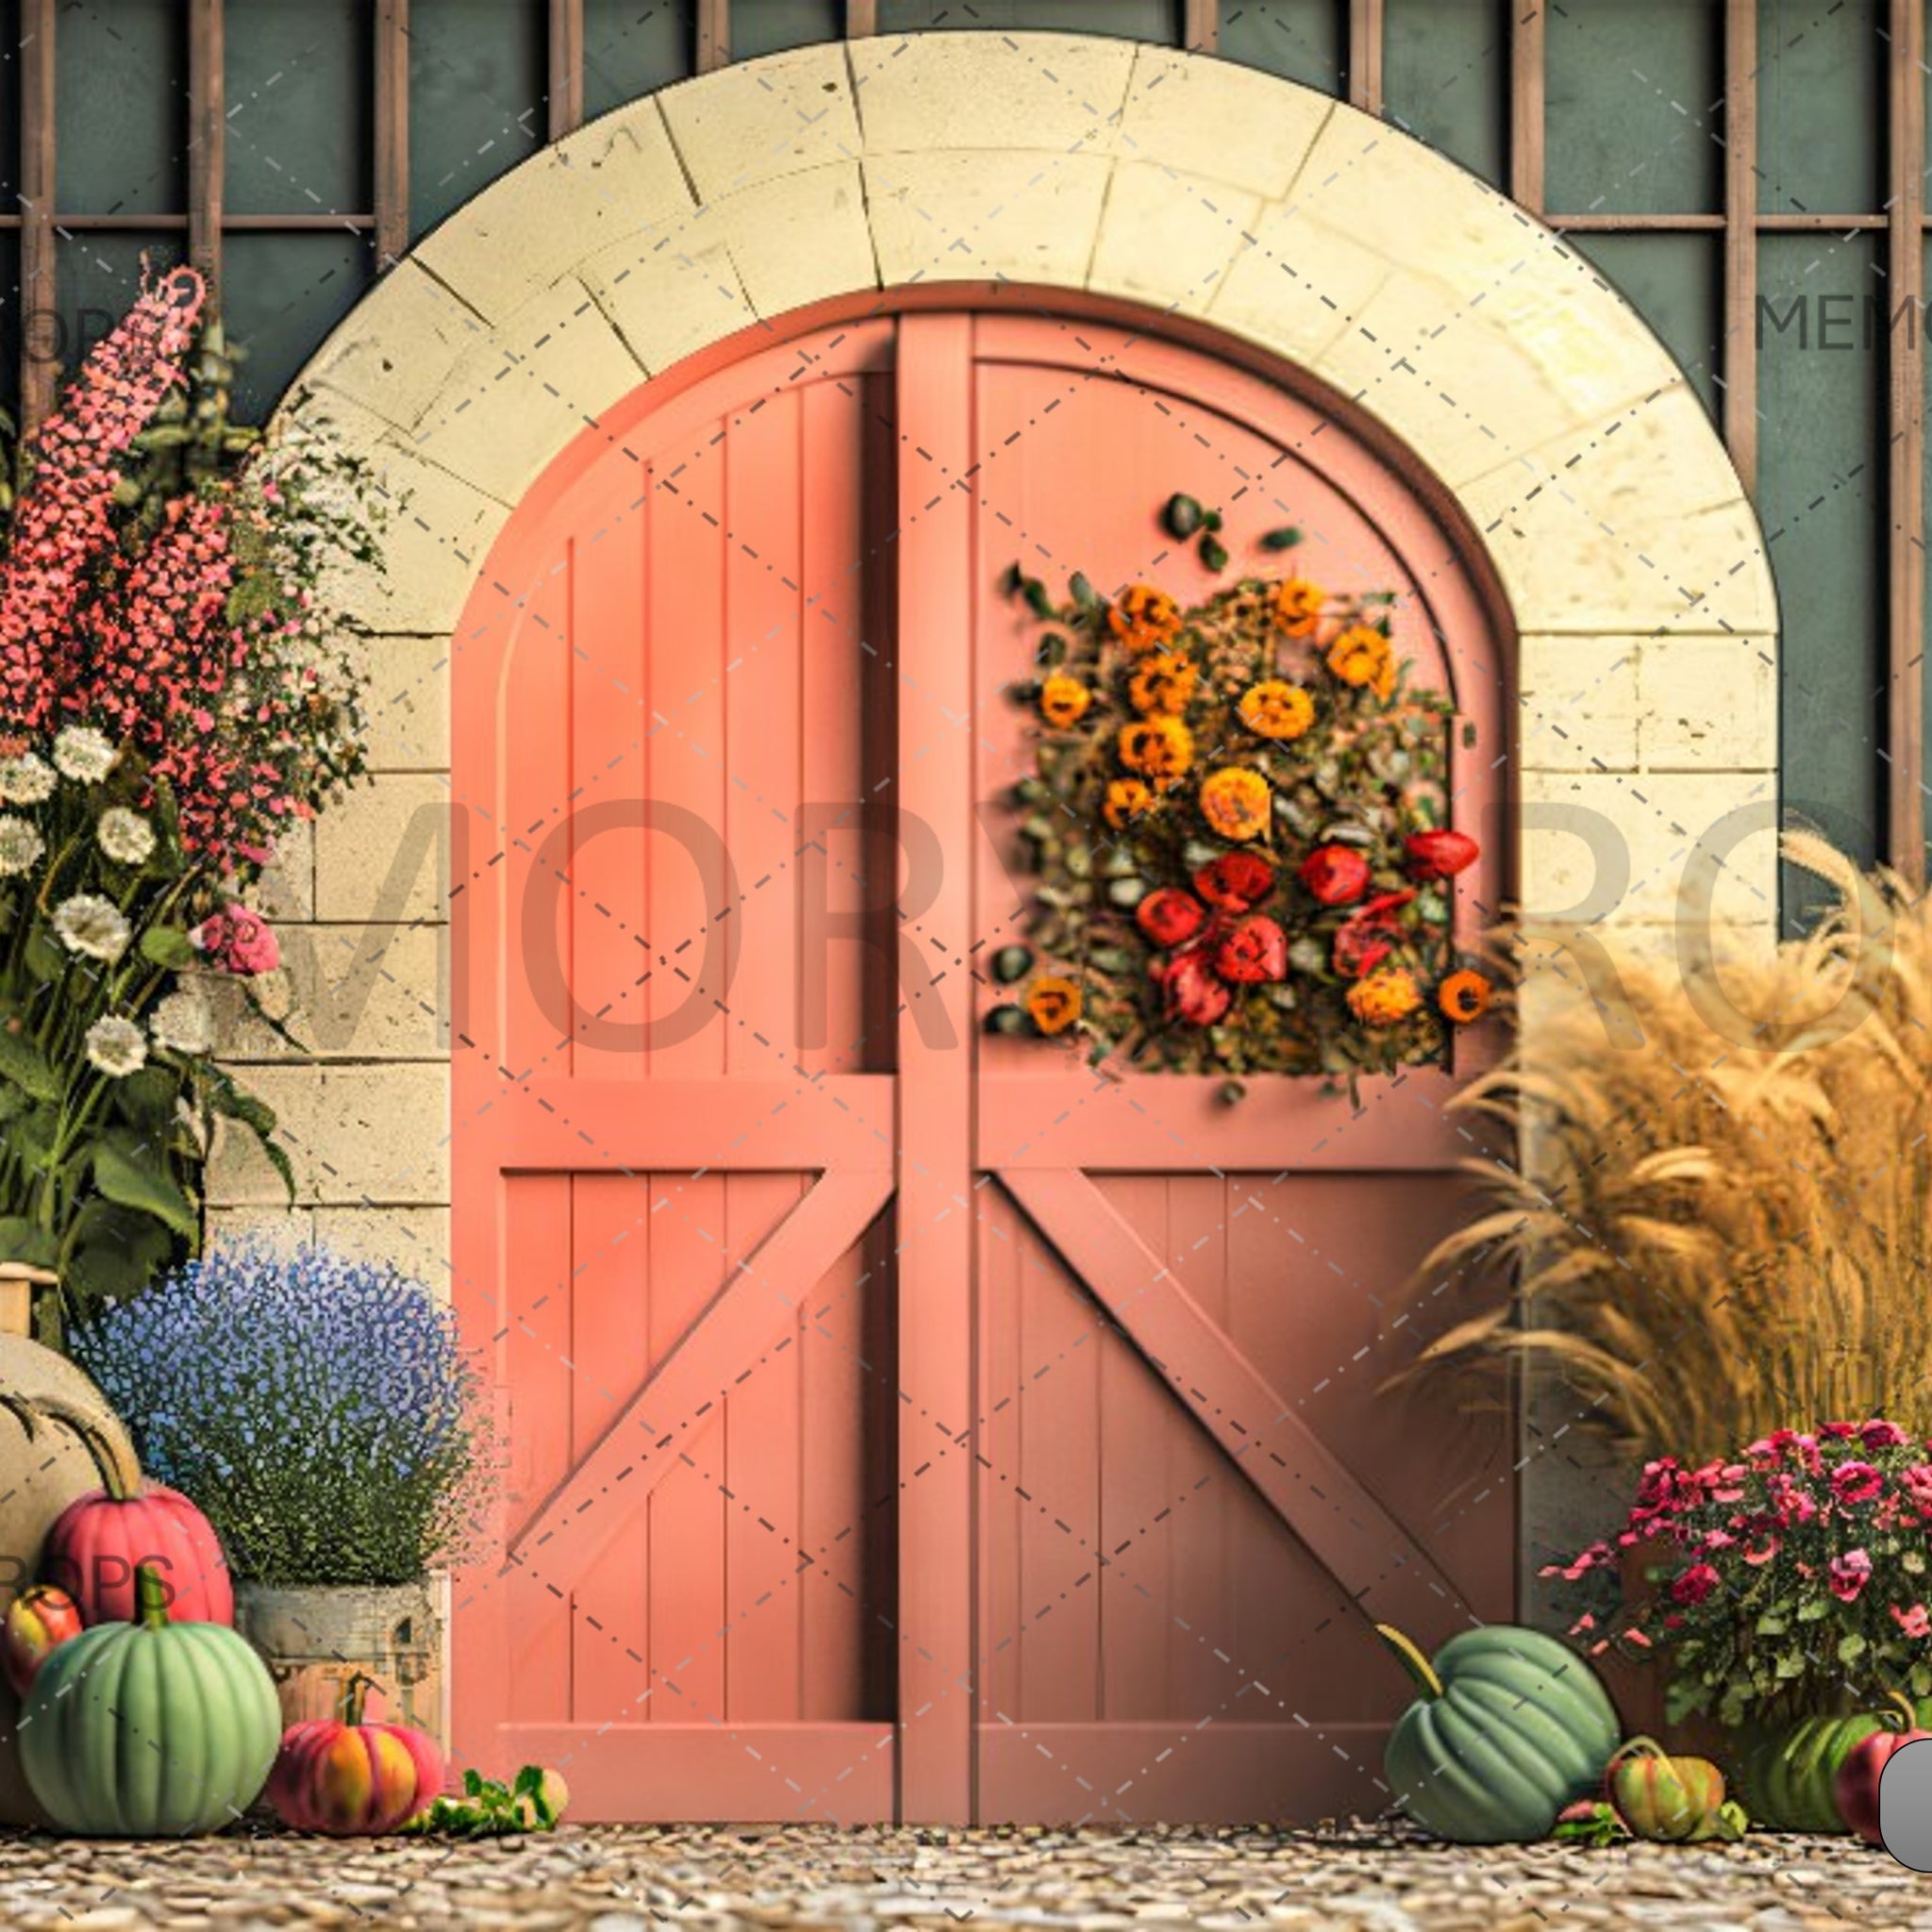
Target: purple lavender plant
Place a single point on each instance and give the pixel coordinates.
(319, 1409)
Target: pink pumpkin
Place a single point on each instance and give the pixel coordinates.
(352, 1779)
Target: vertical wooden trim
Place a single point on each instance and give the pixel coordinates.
(208, 142)
(1201, 26)
(39, 338)
(1905, 278)
(1365, 54)
(714, 34)
(1740, 237)
(1528, 72)
(861, 19)
(391, 132)
(937, 1215)
(566, 67)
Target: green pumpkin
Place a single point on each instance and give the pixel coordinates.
(149, 1729)
(1790, 1772)
(1512, 1726)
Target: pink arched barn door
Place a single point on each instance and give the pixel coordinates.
(900, 1420)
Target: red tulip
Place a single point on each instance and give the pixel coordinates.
(1255, 952)
(1194, 995)
(1170, 916)
(1235, 882)
(1439, 854)
(1368, 937)
(1334, 874)
(38, 1621)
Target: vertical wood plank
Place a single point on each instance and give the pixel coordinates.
(208, 136)
(1000, 1396)
(39, 371)
(714, 34)
(934, 653)
(1365, 25)
(566, 67)
(1905, 278)
(1528, 75)
(1201, 26)
(862, 18)
(1740, 237)
(391, 184)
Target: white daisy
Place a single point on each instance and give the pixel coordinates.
(124, 836)
(83, 754)
(183, 1022)
(24, 780)
(20, 846)
(115, 1045)
(91, 924)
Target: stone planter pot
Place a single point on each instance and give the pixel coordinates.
(319, 1639)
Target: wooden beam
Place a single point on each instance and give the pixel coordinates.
(1740, 237)
(391, 132)
(1905, 278)
(1365, 21)
(714, 34)
(1528, 73)
(861, 19)
(39, 338)
(208, 142)
(1201, 26)
(566, 67)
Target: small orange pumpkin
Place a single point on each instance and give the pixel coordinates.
(38, 1621)
(347, 1779)
(1661, 1797)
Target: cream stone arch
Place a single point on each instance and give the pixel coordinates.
(1620, 534)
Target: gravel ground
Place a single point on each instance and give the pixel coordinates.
(628, 1879)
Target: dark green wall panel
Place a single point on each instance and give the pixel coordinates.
(284, 294)
(99, 276)
(631, 46)
(300, 109)
(1821, 105)
(477, 99)
(1131, 20)
(1300, 39)
(1445, 78)
(1675, 282)
(122, 80)
(1633, 118)
(765, 27)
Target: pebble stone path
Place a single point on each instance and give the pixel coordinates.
(636, 1879)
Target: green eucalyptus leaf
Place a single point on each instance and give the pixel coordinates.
(1083, 592)
(1011, 1022)
(1012, 962)
(1214, 553)
(1284, 539)
(1182, 517)
(1037, 599)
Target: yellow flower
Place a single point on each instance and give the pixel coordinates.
(1275, 708)
(1234, 801)
(1298, 606)
(1464, 996)
(1165, 682)
(1053, 1004)
(1362, 656)
(1383, 997)
(1127, 799)
(1159, 749)
(1145, 618)
(1063, 700)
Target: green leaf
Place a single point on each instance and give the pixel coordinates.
(167, 945)
(1051, 651)
(1851, 1647)
(22, 1062)
(1214, 553)
(1211, 521)
(107, 1272)
(44, 957)
(1182, 517)
(1284, 539)
(1082, 592)
(146, 1098)
(1011, 579)
(13, 1103)
(22, 1239)
(1012, 962)
(528, 1781)
(1040, 604)
(121, 1176)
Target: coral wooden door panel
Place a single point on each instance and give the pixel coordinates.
(673, 1255)
(1190, 1499)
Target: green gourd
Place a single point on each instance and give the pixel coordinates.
(1512, 1726)
(1790, 1772)
(149, 1729)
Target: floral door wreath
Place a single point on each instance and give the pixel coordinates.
(1239, 819)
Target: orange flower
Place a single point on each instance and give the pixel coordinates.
(1165, 683)
(1159, 749)
(1464, 996)
(1298, 606)
(1063, 700)
(1362, 656)
(1234, 801)
(1275, 708)
(1053, 1004)
(1127, 799)
(1383, 997)
(1145, 618)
